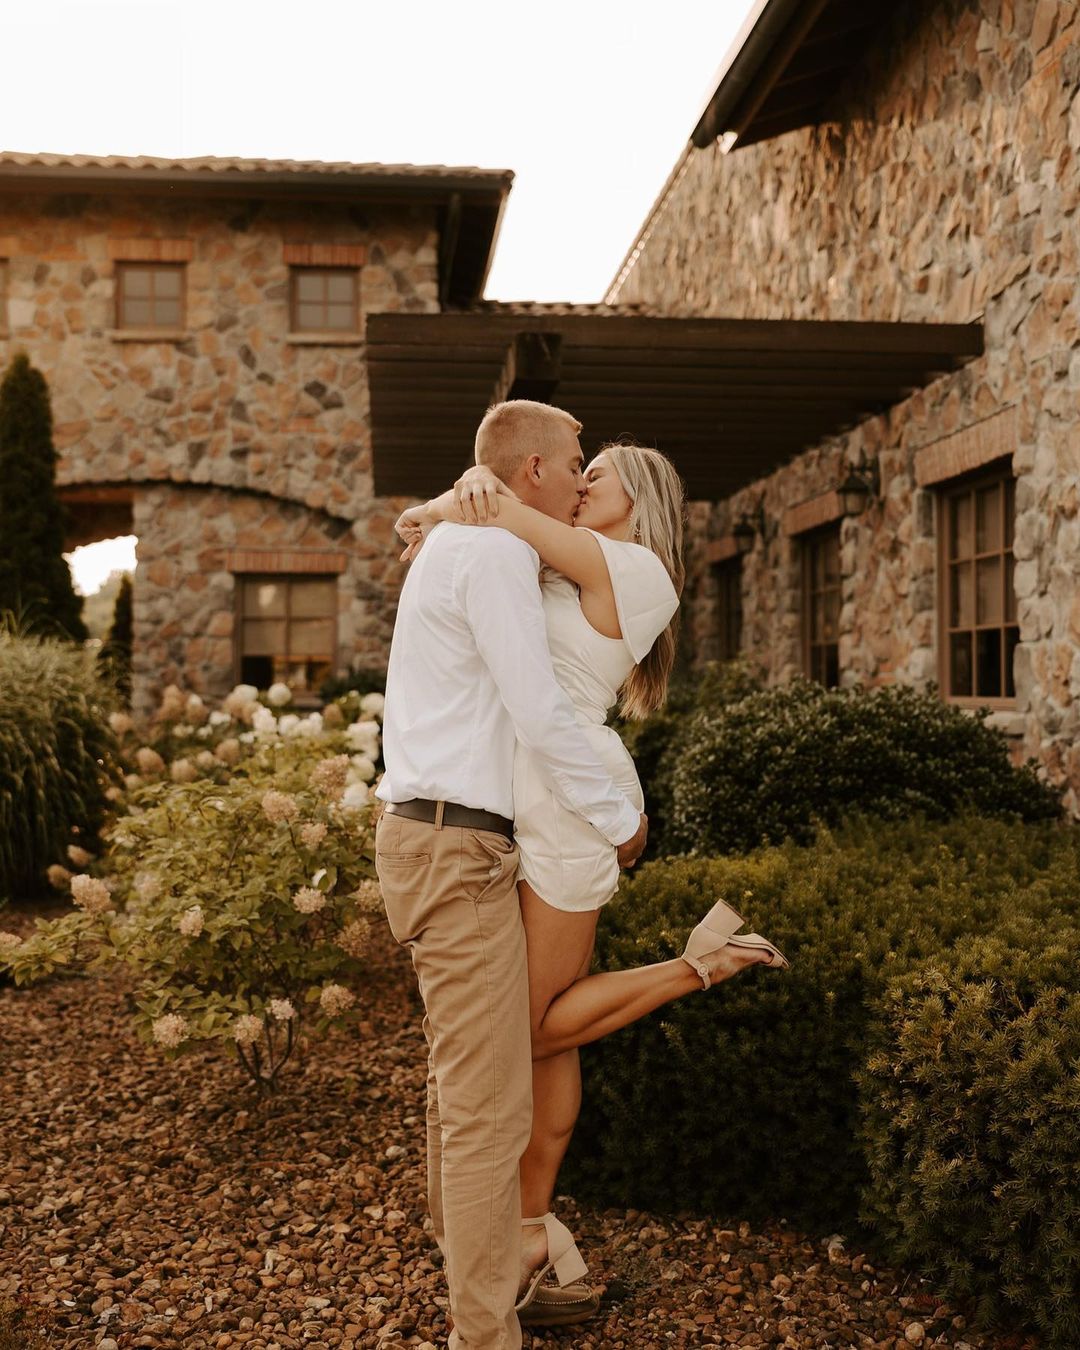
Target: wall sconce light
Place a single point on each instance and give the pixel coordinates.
(862, 483)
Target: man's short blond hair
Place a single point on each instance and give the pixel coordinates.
(511, 432)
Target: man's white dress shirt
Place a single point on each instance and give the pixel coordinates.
(470, 674)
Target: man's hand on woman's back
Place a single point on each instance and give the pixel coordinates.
(631, 851)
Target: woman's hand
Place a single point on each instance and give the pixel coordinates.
(415, 522)
(477, 494)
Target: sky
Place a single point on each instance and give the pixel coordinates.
(590, 102)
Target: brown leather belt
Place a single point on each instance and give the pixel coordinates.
(468, 817)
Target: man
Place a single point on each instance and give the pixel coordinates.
(469, 675)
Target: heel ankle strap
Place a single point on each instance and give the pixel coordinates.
(700, 969)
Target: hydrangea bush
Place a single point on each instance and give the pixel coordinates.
(237, 879)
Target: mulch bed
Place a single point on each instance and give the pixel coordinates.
(147, 1203)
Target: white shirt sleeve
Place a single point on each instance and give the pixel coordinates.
(498, 590)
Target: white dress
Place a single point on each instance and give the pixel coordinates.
(566, 861)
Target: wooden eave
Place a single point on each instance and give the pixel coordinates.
(728, 399)
(783, 68)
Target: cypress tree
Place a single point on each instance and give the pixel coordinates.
(115, 654)
(35, 581)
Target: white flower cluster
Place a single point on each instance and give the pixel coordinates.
(313, 833)
(281, 1009)
(8, 943)
(279, 806)
(308, 900)
(190, 923)
(90, 894)
(170, 1030)
(247, 1029)
(79, 856)
(279, 695)
(335, 999)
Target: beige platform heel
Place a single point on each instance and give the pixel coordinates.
(716, 931)
(563, 1258)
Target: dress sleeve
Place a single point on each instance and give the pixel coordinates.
(645, 598)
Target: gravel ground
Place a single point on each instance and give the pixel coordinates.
(144, 1203)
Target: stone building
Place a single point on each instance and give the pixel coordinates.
(201, 325)
(917, 161)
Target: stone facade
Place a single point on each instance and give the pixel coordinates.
(231, 434)
(944, 187)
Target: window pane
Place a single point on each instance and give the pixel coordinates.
(135, 314)
(167, 313)
(313, 599)
(311, 637)
(1010, 510)
(960, 540)
(309, 317)
(167, 282)
(1012, 640)
(961, 598)
(832, 665)
(257, 670)
(263, 637)
(309, 286)
(988, 519)
(988, 663)
(832, 559)
(340, 318)
(341, 286)
(960, 664)
(264, 598)
(988, 588)
(817, 617)
(831, 631)
(135, 281)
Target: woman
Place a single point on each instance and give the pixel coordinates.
(611, 587)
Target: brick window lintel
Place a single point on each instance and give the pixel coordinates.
(282, 560)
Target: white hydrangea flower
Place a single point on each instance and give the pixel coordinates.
(313, 833)
(8, 943)
(279, 806)
(373, 704)
(279, 694)
(78, 856)
(288, 724)
(308, 900)
(312, 725)
(247, 1029)
(121, 723)
(247, 737)
(183, 771)
(183, 729)
(247, 692)
(204, 733)
(190, 923)
(264, 723)
(354, 797)
(362, 770)
(170, 1030)
(90, 894)
(219, 718)
(335, 998)
(148, 885)
(363, 737)
(281, 1009)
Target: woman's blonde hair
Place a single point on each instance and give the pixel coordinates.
(656, 521)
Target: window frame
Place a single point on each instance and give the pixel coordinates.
(728, 578)
(295, 272)
(124, 267)
(808, 542)
(970, 484)
(301, 698)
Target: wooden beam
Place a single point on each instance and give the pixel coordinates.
(531, 368)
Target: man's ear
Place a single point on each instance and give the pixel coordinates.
(533, 469)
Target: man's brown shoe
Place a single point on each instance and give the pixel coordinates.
(552, 1306)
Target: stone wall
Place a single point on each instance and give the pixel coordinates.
(236, 430)
(944, 188)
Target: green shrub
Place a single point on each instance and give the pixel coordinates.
(114, 657)
(359, 680)
(971, 1123)
(770, 766)
(744, 1100)
(56, 756)
(658, 743)
(237, 901)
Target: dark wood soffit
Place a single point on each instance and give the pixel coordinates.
(729, 400)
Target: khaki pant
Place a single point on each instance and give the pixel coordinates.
(451, 898)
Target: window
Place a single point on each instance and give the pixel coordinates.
(979, 600)
(729, 607)
(288, 631)
(821, 605)
(150, 295)
(325, 299)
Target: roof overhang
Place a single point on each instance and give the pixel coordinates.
(729, 400)
(469, 203)
(782, 67)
